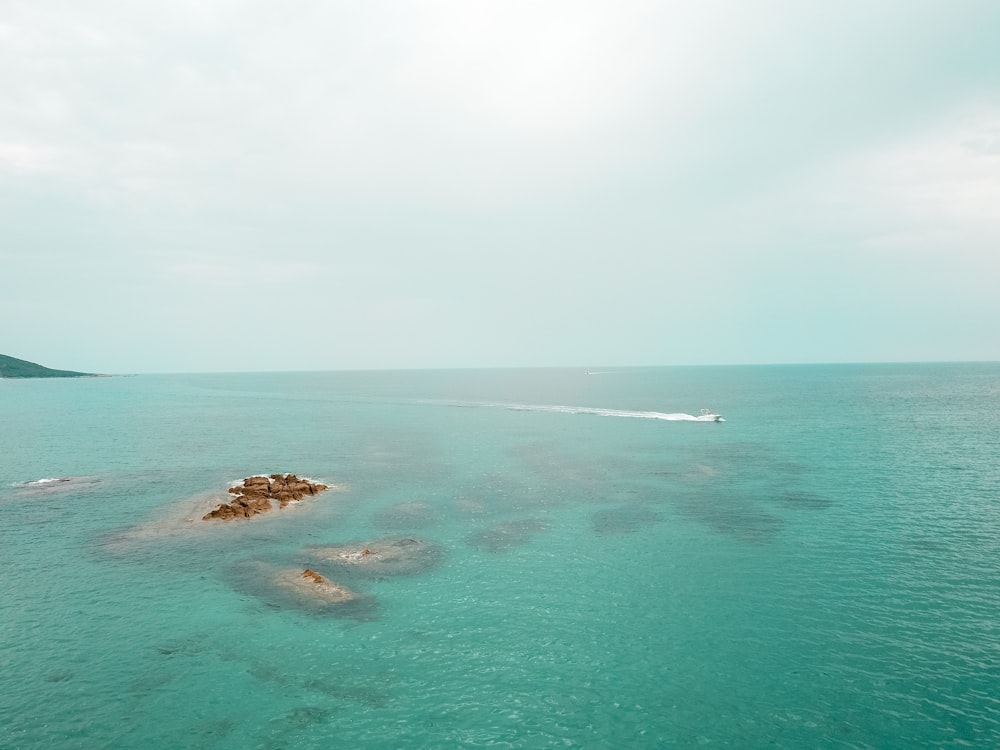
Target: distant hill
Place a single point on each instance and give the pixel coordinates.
(19, 368)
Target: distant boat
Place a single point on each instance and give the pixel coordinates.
(709, 416)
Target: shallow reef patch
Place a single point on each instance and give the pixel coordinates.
(504, 536)
(393, 556)
(295, 587)
(624, 519)
(402, 516)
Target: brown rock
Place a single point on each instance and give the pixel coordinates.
(254, 496)
(310, 587)
(312, 575)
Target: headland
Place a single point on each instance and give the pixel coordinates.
(11, 367)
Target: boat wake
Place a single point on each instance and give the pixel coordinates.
(704, 416)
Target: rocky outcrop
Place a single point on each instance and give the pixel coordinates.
(312, 586)
(296, 586)
(257, 495)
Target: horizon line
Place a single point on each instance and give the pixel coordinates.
(592, 369)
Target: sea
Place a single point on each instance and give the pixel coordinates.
(584, 563)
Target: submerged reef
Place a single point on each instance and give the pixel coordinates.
(315, 581)
(295, 587)
(405, 516)
(311, 585)
(256, 495)
(51, 485)
(379, 557)
(502, 537)
(624, 519)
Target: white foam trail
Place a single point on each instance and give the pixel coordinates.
(674, 417)
(705, 416)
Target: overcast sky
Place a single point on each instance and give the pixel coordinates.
(213, 185)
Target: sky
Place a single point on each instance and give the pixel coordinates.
(218, 186)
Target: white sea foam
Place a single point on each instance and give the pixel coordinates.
(52, 483)
(46, 481)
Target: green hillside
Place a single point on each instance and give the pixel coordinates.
(11, 367)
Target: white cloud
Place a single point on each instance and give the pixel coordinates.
(530, 70)
(433, 102)
(937, 192)
(952, 175)
(25, 157)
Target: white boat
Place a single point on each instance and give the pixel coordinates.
(709, 416)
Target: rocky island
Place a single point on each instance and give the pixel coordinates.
(257, 494)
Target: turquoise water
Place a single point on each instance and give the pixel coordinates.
(820, 570)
